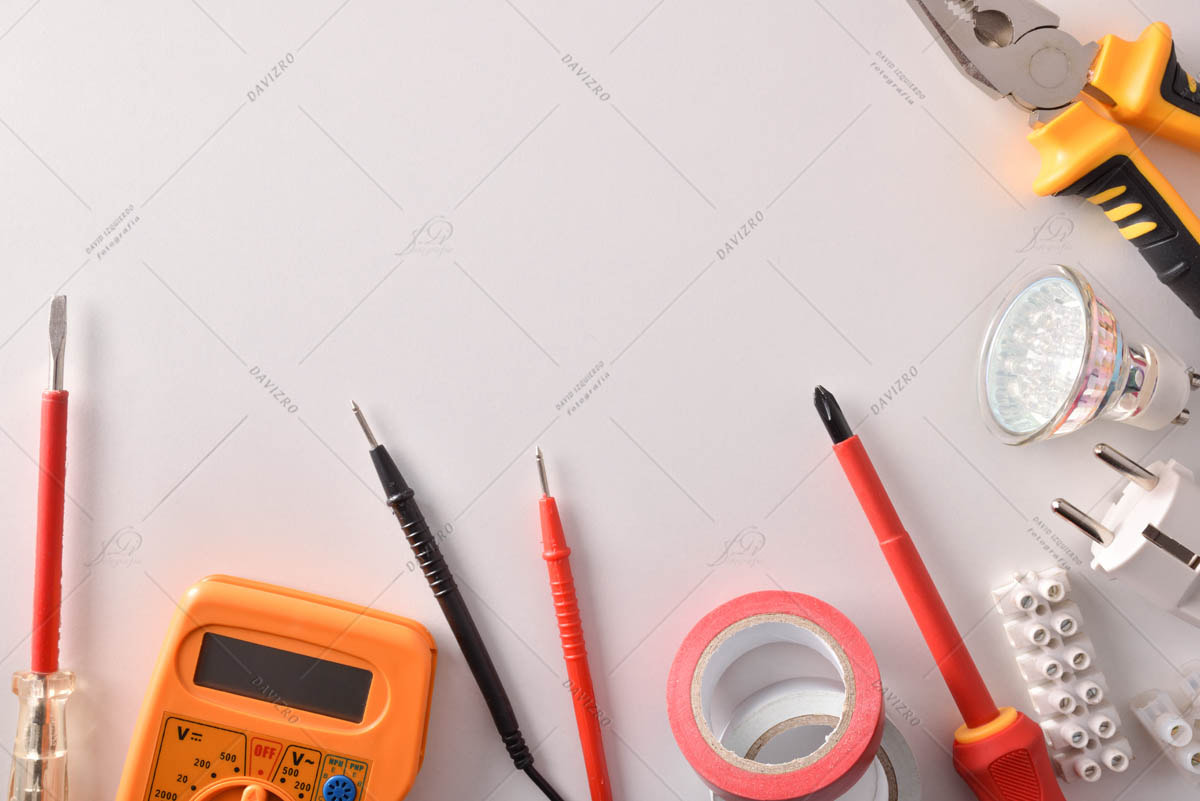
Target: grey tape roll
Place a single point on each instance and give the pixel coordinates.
(798, 703)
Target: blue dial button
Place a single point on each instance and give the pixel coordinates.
(339, 788)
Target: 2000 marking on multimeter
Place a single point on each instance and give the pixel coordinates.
(268, 694)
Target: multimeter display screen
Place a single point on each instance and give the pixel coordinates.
(282, 677)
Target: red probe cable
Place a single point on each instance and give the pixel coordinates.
(52, 463)
(1000, 753)
(570, 629)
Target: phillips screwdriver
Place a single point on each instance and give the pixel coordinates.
(1000, 753)
(39, 766)
(402, 501)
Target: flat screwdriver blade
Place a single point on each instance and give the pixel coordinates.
(58, 340)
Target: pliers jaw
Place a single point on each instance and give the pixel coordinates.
(1011, 48)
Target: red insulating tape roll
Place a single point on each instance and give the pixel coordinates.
(756, 620)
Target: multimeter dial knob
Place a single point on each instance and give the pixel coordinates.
(240, 790)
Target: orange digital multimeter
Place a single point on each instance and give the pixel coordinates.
(268, 694)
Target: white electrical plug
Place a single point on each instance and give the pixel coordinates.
(1147, 538)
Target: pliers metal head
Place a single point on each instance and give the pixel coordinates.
(1011, 48)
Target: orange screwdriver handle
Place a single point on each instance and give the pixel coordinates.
(570, 630)
(1006, 760)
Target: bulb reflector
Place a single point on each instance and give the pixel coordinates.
(1035, 356)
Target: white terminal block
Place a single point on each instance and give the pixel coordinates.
(1147, 536)
(1057, 661)
(1176, 733)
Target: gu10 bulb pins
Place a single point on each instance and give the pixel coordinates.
(1055, 359)
(1175, 732)
(1147, 536)
(1069, 694)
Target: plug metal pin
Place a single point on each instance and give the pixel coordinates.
(1126, 466)
(1078, 518)
(1173, 547)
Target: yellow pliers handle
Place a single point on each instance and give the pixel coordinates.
(1087, 153)
(1147, 86)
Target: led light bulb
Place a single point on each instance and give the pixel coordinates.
(1054, 360)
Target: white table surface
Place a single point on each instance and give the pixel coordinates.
(271, 237)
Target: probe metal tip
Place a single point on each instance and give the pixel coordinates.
(541, 463)
(1126, 466)
(831, 415)
(362, 421)
(1080, 519)
(58, 340)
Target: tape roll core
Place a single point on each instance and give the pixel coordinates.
(741, 626)
(804, 702)
(748, 634)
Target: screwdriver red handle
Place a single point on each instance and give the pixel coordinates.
(1006, 760)
(570, 630)
(47, 582)
(1000, 753)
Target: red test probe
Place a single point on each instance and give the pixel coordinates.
(1000, 753)
(570, 629)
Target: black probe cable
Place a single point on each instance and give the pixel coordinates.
(400, 498)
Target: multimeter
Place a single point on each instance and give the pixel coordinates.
(263, 693)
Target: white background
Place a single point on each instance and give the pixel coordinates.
(585, 230)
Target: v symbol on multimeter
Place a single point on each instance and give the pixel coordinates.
(196, 736)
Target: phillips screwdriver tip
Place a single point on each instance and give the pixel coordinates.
(58, 340)
(831, 415)
(362, 421)
(541, 465)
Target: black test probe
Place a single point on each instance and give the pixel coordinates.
(400, 498)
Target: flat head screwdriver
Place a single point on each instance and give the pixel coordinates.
(39, 766)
